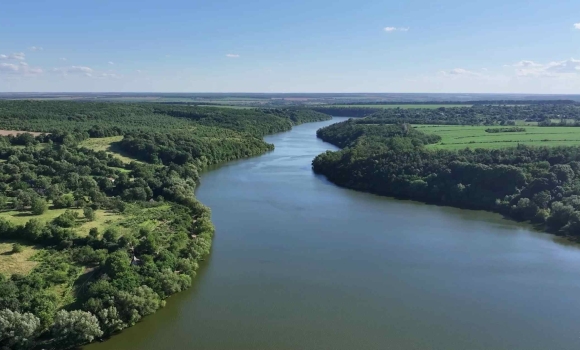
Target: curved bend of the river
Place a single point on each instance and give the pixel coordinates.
(300, 264)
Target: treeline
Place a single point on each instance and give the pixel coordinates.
(351, 133)
(474, 115)
(499, 130)
(100, 119)
(469, 103)
(538, 184)
(202, 146)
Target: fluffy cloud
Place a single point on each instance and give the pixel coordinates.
(552, 69)
(396, 29)
(111, 63)
(87, 71)
(19, 69)
(577, 25)
(14, 56)
(232, 55)
(35, 48)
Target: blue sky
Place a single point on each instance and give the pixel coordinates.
(291, 46)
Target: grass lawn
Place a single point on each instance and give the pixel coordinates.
(463, 136)
(403, 106)
(11, 263)
(103, 218)
(109, 145)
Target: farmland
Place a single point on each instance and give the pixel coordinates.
(403, 106)
(462, 136)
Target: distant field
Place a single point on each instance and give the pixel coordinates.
(16, 132)
(107, 144)
(404, 106)
(459, 136)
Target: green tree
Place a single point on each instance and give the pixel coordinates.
(17, 331)
(65, 201)
(75, 328)
(89, 213)
(39, 206)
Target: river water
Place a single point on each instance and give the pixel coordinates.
(299, 263)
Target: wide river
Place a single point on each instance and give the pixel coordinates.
(299, 263)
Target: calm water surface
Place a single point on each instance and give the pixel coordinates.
(299, 263)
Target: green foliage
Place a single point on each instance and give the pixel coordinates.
(160, 231)
(89, 213)
(17, 248)
(498, 130)
(18, 330)
(67, 220)
(74, 328)
(538, 184)
(38, 206)
(64, 201)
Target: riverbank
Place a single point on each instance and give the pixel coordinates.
(300, 263)
(533, 184)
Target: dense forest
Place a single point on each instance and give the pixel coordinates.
(479, 114)
(112, 239)
(108, 119)
(536, 184)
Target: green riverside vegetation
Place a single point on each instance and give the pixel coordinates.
(383, 154)
(93, 240)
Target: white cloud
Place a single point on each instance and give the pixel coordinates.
(111, 63)
(552, 69)
(577, 25)
(87, 71)
(461, 71)
(35, 48)
(63, 58)
(109, 75)
(14, 56)
(526, 64)
(19, 69)
(232, 55)
(139, 71)
(396, 29)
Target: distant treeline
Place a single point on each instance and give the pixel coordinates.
(468, 103)
(475, 115)
(498, 130)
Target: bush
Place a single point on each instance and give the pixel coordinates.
(64, 201)
(89, 213)
(39, 206)
(17, 248)
(68, 219)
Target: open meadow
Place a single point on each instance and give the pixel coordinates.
(462, 136)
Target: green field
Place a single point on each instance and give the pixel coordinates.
(462, 136)
(102, 218)
(403, 106)
(107, 144)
